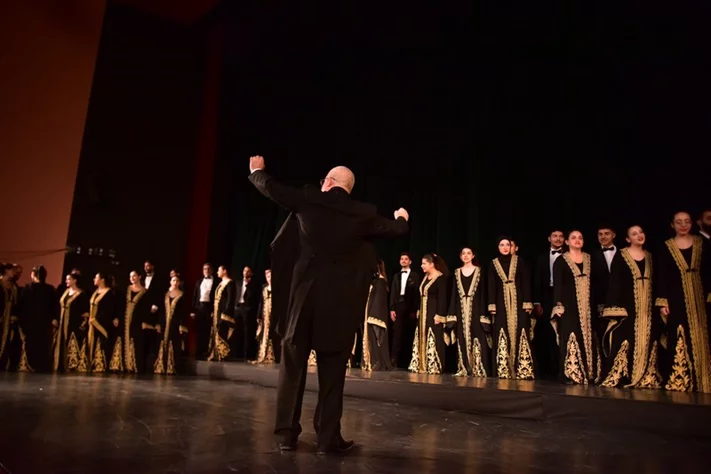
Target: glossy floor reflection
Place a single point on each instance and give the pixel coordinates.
(77, 424)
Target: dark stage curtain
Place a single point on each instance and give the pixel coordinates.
(479, 119)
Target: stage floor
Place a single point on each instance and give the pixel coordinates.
(114, 424)
(670, 413)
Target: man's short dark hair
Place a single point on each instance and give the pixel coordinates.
(406, 254)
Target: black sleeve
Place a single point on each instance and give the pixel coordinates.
(525, 284)
(394, 292)
(289, 197)
(196, 296)
(559, 281)
(538, 288)
(491, 288)
(382, 227)
(442, 301)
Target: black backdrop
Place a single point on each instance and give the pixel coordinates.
(480, 118)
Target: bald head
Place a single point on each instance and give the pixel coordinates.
(340, 177)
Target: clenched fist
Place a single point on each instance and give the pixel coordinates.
(402, 213)
(256, 163)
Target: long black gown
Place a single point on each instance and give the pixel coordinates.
(572, 319)
(71, 330)
(93, 355)
(629, 343)
(38, 305)
(13, 353)
(223, 321)
(172, 322)
(428, 347)
(509, 296)
(265, 351)
(376, 354)
(684, 281)
(131, 346)
(467, 311)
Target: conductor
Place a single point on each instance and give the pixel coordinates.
(322, 264)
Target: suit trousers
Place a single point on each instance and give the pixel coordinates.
(331, 368)
(203, 320)
(545, 344)
(403, 333)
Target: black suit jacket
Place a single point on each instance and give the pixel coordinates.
(251, 294)
(599, 278)
(324, 252)
(542, 291)
(412, 290)
(196, 292)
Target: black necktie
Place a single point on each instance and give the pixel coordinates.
(608, 249)
(553, 252)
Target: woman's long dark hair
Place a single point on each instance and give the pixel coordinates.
(40, 272)
(381, 269)
(439, 263)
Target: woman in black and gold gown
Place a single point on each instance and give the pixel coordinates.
(629, 343)
(571, 317)
(510, 305)
(683, 289)
(223, 317)
(468, 313)
(265, 353)
(94, 353)
(376, 355)
(429, 346)
(70, 328)
(172, 329)
(9, 328)
(136, 325)
(38, 305)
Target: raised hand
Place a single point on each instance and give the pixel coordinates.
(256, 163)
(402, 213)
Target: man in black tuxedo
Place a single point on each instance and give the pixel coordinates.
(545, 346)
(704, 223)
(245, 313)
(203, 301)
(600, 278)
(404, 303)
(324, 253)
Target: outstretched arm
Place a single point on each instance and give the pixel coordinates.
(382, 227)
(286, 196)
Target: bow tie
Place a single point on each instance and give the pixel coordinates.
(405, 271)
(553, 252)
(608, 249)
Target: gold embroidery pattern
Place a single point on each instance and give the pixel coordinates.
(366, 338)
(652, 379)
(170, 369)
(574, 367)
(116, 364)
(89, 349)
(461, 369)
(98, 363)
(266, 348)
(582, 293)
(478, 368)
(65, 303)
(502, 360)
(423, 357)
(83, 365)
(466, 298)
(415, 360)
(695, 310)
(10, 300)
(72, 353)
(217, 345)
(24, 365)
(510, 303)
(642, 288)
(312, 359)
(524, 371)
(680, 378)
(663, 302)
(129, 350)
(620, 367)
(434, 365)
(614, 312)
(159, 366)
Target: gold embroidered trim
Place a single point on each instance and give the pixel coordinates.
(680, 377)
(662, 302)
(170, 370)
(527, 306)
(312, 359)
(24, 365)
(229, 319)
(695, 310)
(491, 308)
(508, 283)
(376, 322)
(558, 311)
(614, 312)
(72, 362)
(98, 363)
(423, 340)
(651, 379)
(574, 368)
(620, 367)
(484, 320)
(524, 371)
(440, 319)
(582, 293)
(265, 355)
(466, 298)
(129, 354)
(116, 364)
(158, 367)
(478, 369)
(502, 361)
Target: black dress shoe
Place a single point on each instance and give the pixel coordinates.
(341, 446)
(287, 444)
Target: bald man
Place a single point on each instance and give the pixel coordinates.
(324, 256)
